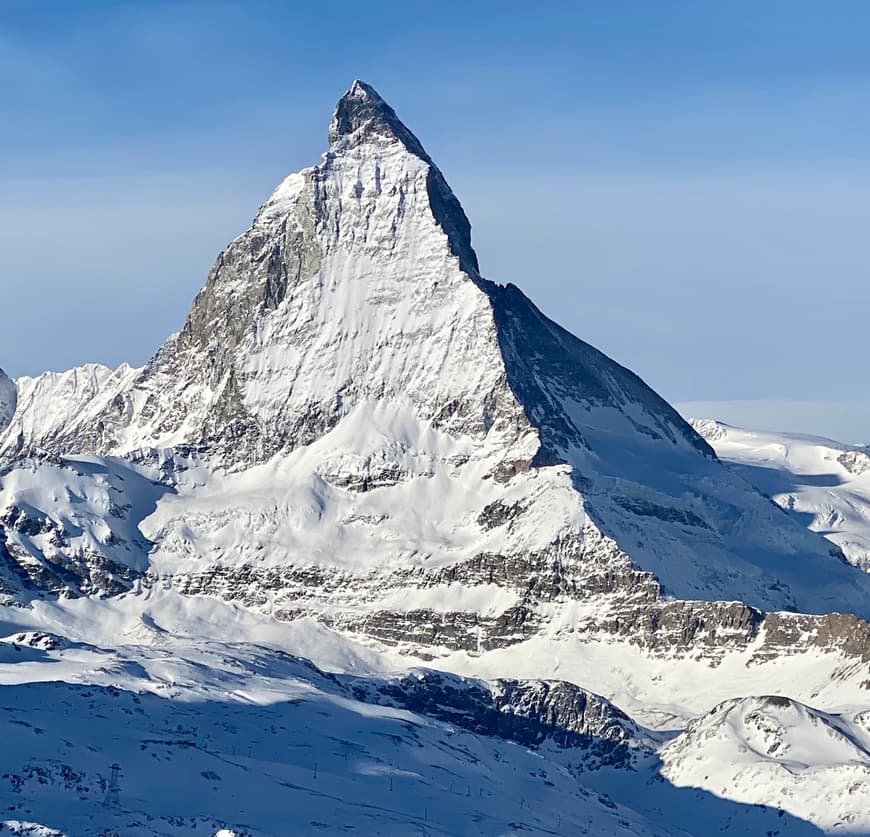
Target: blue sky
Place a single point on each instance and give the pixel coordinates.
(685, 185)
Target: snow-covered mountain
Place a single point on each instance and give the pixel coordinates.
(359, 448)
(45, 405)
(775, 751)
(824, 485)
(8, 399)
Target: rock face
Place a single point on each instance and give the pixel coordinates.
(8, 400)
(532, 713)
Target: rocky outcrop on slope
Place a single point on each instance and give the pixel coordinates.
(70, 528)
(530, 712)
(622, 604)
(61, 567)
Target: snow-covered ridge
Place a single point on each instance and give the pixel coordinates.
(823, 484)
(776, 751)
(48, 405)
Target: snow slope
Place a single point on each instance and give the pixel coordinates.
(776, 751)
(268, 747)
(73, 526)
(824, 485)
(244, 736)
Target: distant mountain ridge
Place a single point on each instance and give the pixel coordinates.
(823, 484)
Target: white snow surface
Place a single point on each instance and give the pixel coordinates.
(51, 402)
(823, 484)
(777, 751)
(218, 723)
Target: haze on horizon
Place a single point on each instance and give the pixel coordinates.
(685, 188)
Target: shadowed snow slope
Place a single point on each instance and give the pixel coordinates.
(243, 736)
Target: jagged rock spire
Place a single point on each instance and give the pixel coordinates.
(361, 113)
(362, 116)
(8, 399)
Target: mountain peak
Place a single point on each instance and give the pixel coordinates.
(361, 113)
(8, 398)
(362, 116)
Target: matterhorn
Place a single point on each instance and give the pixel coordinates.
(373, 543)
